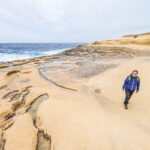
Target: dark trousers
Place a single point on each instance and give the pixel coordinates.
(128, 95)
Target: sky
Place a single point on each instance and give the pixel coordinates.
(57, 21)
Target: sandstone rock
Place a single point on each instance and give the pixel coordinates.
(22, 135)
(67, 123)
(137, 39)
(21, 62)
(3, 86)
(6, 108)
(13, 71)
(4, 65)
(1, 133)
(87, 119)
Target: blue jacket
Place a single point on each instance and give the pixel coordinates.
(132, 84)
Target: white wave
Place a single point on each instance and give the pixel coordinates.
(5, 57)
(52, 52)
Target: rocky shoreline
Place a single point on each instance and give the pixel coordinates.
(85, 51)
(25, 84)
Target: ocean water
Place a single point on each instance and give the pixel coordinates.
(19, 51)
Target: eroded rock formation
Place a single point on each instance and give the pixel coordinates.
(70, 101)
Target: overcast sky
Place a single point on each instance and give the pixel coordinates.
(71, 20)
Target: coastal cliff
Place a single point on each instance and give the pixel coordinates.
(128, 40)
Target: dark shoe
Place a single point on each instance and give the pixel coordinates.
(126, 106)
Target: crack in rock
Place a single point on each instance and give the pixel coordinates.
(2, 144)
(27, 88)
(9, 94)
(9, 116)
(20, 105)
(16, 96)
(61, 86)
(35, 104)
(43, 141)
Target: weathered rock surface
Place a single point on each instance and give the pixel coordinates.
(106, 51)
(4, 65)
(22, 135)
(89, 120)
(21, 62)
(73, 100)
(136, 39)
(13, 71)
(73, 124)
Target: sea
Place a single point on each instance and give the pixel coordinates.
(19, 51)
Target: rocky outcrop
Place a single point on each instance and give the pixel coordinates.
(105, 51)
(13, 71)
(21, 62)
(136, 39)
(4, 65)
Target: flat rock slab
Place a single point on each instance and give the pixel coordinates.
(22, 135)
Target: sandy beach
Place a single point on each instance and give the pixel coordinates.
(74, 101)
